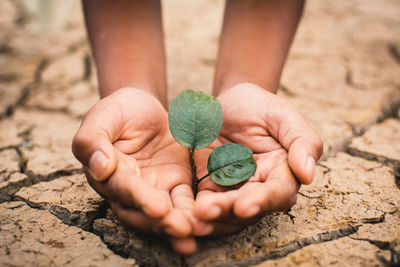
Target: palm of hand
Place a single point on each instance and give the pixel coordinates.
(150, 152)
(153, 175)
(272, 187)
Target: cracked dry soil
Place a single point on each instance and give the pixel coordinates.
(343, 74)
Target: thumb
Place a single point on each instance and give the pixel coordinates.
(303, 154)
(92, 144)
(304, 146)
(95, 152)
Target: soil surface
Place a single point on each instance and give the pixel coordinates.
(343, 74)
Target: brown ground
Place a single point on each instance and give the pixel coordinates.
(343, 74)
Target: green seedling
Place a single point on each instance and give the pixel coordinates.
(195, 120)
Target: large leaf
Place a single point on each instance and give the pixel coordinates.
(195, 119)
(231, 164)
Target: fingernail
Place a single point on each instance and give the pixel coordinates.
(252, 211)
(213, 212)
(310, 166)
(97, 165)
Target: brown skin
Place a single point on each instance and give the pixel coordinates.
(276, 133)
(124, 143)
(148, 189)
(253, 46)
(127, 43)
(255, 39)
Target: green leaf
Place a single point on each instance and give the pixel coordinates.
(231, 164)
(195, 119)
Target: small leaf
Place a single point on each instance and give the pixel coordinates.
(195, 119)
(231, 164)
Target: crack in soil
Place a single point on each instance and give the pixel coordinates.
(88, 67)
(291, 216)
(31, 177)
(350, 82)
(143, 255)
(373, 157)
(383, 245)
(81, 220)
(307, 196)
(23, 161)
(63, 111)
(374, 220)
(54, 175)
(394, 52)
(286, 90)
(37, 75)
(396, 172)
(391, 163)
(27, 88)
(295, 245)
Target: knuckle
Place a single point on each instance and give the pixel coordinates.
(79, 143)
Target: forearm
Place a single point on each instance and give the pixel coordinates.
(127, 43)
(254, 42)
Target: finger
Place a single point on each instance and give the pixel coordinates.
(92, 144)
(177, 224)
(225, 228)
(151, 201)
(213, 205)
(182, 197)
(200, 227)
(131, 190)
(184, 246)
(140, 221)
(304, 146)
(183, 200)
(230, 224)
(139, 193)
(136, 219)
(278, 193)
(303, 154)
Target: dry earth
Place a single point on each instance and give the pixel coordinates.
(343, 74)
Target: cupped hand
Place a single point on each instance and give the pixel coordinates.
(131, 159)
(284, 147)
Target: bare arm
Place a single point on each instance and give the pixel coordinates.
(127, 42)
(254, 42)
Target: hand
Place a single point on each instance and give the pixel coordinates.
(131, 159)
(284, 146)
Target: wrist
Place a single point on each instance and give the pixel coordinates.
(224, 86)
(134, 94)
(107, 87)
